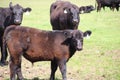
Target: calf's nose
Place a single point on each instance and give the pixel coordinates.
(79, 48)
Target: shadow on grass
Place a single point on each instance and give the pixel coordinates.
(36, 78)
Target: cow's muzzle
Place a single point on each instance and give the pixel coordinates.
(75, 21)
(79, 48)
(17, 22)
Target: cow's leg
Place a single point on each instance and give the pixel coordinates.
(103, 7)
(4, 53)
(15, 67)
(54, 66)
(99, 7)
(62, 66)
(117, 7)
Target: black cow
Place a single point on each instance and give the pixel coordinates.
(103, 3)
(64, 15)
(57, 46)
(116, 4)
(108, 3)
(10, 16)
(86, 9)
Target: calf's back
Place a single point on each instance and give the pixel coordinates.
(36, 45)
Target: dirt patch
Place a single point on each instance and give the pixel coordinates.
(87, 70)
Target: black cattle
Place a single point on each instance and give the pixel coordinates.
(116, 4)
(57, 46)
(108, 3)
(103, 3)
(10, 16)
(64, 15)
(86, 9)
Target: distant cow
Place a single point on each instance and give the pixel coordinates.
(64, 15)
(86, 9)
(57, 46)
(103, 3)
(108, 3)
(10, 16)
(116, 4)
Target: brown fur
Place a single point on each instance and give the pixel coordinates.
(39, 45)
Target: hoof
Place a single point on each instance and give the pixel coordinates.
(3, 63)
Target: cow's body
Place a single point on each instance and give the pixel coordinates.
(108, 3)
(64, 15)
(116, 4)
(10, 16)
(38, 45)
(5, 17)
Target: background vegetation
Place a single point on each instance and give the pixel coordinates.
(100, 58)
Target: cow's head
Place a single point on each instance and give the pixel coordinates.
(73, 14)
(75, 38)
(17, 13)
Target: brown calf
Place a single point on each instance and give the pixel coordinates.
(39, 45)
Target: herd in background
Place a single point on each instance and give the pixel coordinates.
(112, 4)
(64, 15)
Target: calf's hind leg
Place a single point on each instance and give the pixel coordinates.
(15, 67)
(54, 66)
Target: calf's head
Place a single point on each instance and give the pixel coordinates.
(17, 13)
(75, 38)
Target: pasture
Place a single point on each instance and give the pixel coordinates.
(100, 57)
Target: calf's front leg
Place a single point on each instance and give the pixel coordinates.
(62, 66)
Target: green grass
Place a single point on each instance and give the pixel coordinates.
(100, 58)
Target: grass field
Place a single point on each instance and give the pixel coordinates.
(100, 58)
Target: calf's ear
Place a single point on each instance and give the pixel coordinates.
(68, 34)
(87, 33)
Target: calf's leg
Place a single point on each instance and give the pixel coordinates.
(15, 67)
(54, 66)
(62, 66)
(19, 73)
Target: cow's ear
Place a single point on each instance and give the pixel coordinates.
(27, 9)
(81, 10)
(87, 33)
(68, 34)
(10, 5)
